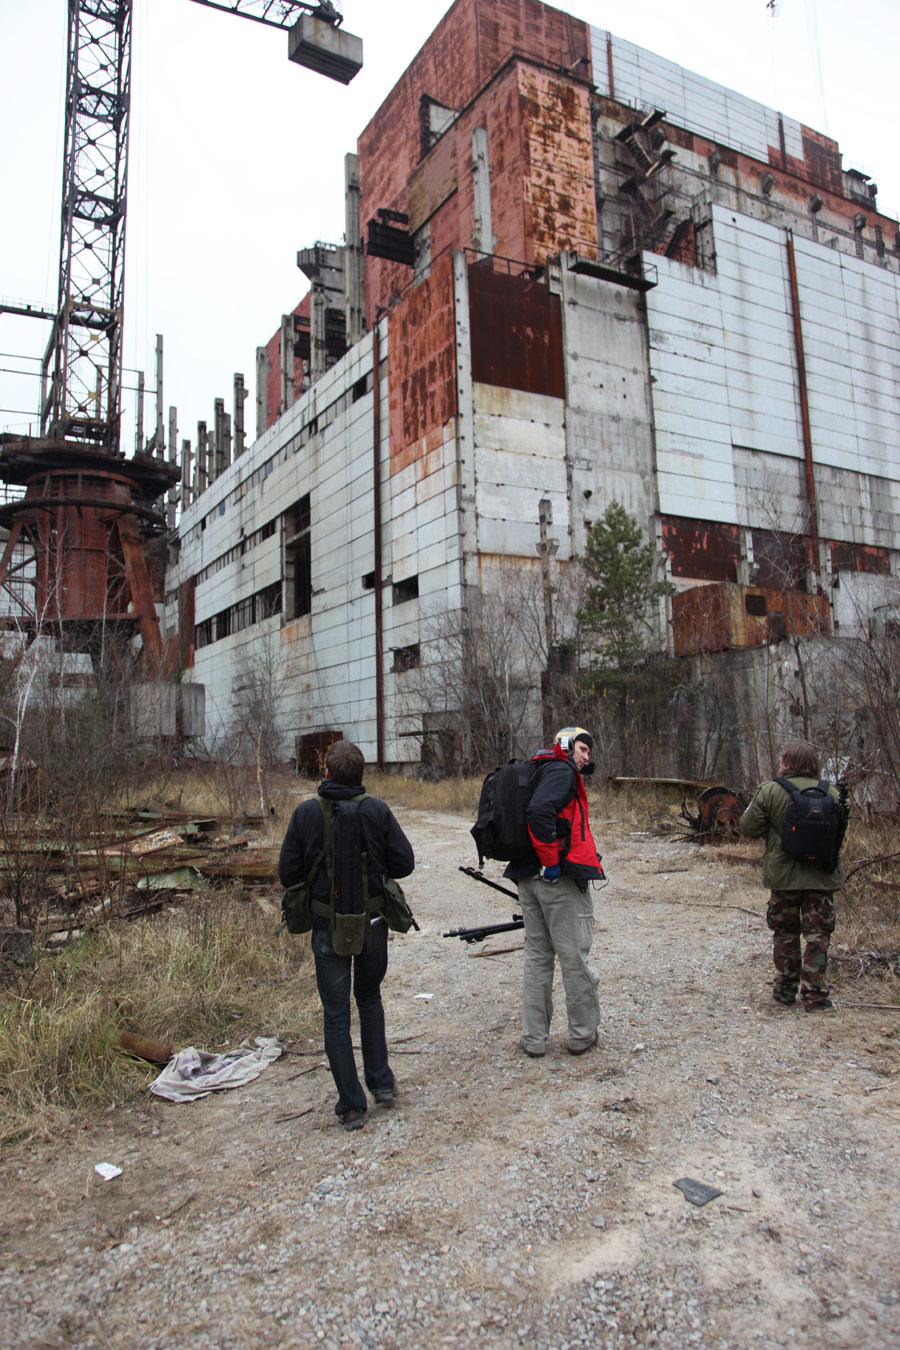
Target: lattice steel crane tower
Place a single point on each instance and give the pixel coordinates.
(82, 533)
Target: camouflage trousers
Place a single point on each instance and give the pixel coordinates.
(792, 915)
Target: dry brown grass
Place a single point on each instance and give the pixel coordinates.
(212, 971)
(205, 974)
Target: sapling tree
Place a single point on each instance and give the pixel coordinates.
(618, 620)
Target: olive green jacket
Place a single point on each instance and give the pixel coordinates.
(764, 818)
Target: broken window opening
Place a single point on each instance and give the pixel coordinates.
(406, 590)
(406, 658)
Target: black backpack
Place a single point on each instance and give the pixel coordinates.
(501, 830)
(814, 825)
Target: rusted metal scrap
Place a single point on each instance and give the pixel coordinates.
(719, 810)
(154, 1052)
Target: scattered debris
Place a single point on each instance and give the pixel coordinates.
(696, 1191)
(107, 1171)
(196, 1073)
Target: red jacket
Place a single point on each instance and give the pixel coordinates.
(557, 818)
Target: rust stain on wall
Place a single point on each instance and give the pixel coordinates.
(433, 181)
(516, 332)
(558, 169)
(860, 558)
(421, 363)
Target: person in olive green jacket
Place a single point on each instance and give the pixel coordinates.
(801, 903)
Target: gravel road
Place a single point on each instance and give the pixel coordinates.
(504, 1201)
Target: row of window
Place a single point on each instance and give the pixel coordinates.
(262, 605)
(313, 427)
(243, 546)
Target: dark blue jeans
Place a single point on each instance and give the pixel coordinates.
(333, 979)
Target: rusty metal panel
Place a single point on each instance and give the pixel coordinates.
(558, 171)
(847, 557)
(822, 160)
(781, 559)
(421, 363)
(516, 332)
(724, 616)
(703, 550)
(432, 181)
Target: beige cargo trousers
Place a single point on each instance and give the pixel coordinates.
(559, 924)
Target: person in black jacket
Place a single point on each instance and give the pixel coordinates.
(387, 850)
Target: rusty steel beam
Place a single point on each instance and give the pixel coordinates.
(376, 527)
(813, 545)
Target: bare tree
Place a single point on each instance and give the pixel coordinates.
(476, 698)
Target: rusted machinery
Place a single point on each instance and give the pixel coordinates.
(77, 563)
(719, 810)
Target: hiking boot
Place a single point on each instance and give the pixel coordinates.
(353, 1119)
(785, 996)
(532, 1054)
(385, 1096)
(822, 1005)
(583, 1049)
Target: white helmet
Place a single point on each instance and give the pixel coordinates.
(569, 735)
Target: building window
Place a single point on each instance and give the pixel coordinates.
(406, 590)
(406, 658)
(268, 601)
(756, 605)
(298, 558)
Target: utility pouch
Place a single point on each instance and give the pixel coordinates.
(296, 916)
(397, 914)
(348, 933)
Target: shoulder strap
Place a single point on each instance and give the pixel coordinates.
(790, 788)
(326, 825)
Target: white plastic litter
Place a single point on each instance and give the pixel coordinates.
(196, 1073)
(424, 996)
(107, 1171)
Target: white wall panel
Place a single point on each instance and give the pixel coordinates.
(646, 81)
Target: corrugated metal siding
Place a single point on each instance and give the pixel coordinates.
(649, 81)
(723, 363)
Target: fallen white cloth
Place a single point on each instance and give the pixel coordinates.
(196, 1073)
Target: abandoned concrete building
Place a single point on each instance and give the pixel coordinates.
(573, 273)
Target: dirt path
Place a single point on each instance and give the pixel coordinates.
(504, 1200)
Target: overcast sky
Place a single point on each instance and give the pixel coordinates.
(237, 156)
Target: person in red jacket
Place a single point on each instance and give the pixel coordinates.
(554, 896)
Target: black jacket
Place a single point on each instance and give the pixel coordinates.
(387, 847)
(554, 789)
